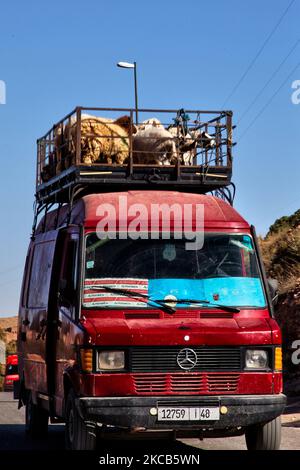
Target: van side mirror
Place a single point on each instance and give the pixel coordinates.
(273, 288)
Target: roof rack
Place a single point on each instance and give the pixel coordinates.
(79, 155)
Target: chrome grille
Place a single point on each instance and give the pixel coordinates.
(164, 359)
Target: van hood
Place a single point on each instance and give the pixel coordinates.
(171, 331)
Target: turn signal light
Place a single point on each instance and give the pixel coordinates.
(278, 358)
(86, 356)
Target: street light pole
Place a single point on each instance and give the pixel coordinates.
(128, 65)
(135, 95)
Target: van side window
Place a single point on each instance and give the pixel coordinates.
(69, 271)
(40, 275)
(25, 283)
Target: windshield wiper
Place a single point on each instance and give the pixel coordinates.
(163, 303)
(206, 302)
(144, 297)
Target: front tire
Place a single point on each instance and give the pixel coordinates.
(36, 419)
(79, 435)
(265, 436)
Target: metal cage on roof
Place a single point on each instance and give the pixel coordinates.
(81, 153)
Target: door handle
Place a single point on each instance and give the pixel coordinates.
(42, 332)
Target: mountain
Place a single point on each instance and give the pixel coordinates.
(281, 253)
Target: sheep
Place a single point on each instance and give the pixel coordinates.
(186, 144)
(189, 141)
(153, 144)
(108, 141)
(102, 139)
(149, 123)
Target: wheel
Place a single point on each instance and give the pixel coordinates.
(79, 435)
(36, 419)
(265, 436)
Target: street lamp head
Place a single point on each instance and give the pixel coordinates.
(126, 65)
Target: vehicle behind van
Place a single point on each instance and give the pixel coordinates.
(11, 372)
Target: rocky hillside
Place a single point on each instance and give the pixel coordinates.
(281, 253)
(8, 332)
(9, 325)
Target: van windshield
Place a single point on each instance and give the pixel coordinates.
(224, 271)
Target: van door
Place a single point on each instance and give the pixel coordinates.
(63, 330)
(35, 311)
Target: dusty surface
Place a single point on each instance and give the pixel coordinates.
(12, 436)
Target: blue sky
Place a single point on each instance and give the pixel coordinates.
(59, 54)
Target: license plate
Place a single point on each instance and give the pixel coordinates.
(188, 414)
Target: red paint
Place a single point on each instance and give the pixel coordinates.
(111, 328)
(49, 354)
(184, 383)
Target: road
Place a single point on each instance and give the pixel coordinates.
(12, 436)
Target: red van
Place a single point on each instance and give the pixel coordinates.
(132, 335)
(145, 305)
(11, 372)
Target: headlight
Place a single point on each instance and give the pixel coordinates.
(256, 359)
(111, 360)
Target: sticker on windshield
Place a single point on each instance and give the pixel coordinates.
(100, 292)
(245, 244)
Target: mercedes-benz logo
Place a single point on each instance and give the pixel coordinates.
(187, 359)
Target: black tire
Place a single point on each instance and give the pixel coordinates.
(265, 436)
(79, 435)
(36, 419)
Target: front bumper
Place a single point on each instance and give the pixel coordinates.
(134, 412)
